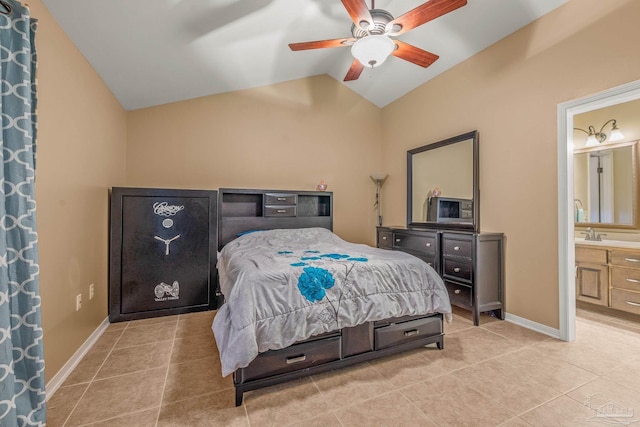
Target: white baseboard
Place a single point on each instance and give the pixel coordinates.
(534, 326)
(54, 383)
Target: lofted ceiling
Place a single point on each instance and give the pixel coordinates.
(152, 52)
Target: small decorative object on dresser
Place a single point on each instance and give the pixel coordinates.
(322, 186)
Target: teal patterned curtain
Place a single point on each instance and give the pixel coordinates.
(22, 393)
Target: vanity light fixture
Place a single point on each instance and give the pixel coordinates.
(379, 178)
(594, 138)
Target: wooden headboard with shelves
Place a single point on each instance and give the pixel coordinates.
(243, 210)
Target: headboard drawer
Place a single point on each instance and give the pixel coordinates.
(280, 199)
(279, 211)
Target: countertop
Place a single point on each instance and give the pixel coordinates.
(608, 243)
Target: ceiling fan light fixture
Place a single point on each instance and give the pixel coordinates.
(372, 51)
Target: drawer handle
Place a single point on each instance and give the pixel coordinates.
(457, 291)
(411, 333)
(633, 280)
(297, 359)
(428, 245)
(632, 260)
(635, 304)
(457, 269)
(398, 240)
(456, 248)
(430, 263)
(384, 238)
(282, 199)
(281, 210)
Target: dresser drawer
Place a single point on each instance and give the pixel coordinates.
(423, 244)
(398, 333)
(625, 301)
(280, 199)
(459, 293)
(385, 239)
(625, 278)
(280, 211)
(298, 356)
(622, 258)
(457, 246)
(431, 261)
(458, 270)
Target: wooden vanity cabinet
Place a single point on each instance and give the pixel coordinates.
(471, 264)
(592, 275)
(625, 280)
(608, 276)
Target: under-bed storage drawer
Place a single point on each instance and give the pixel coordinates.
(298, 356)
(398, 333)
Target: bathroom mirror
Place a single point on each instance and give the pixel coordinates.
(442, 184)
(606, 186)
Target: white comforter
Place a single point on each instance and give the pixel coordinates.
(282, 286)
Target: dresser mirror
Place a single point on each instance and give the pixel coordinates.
(442, 184)
(605, 180)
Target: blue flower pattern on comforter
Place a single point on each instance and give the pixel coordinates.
(314, 281)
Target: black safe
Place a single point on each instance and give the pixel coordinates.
(162, 252)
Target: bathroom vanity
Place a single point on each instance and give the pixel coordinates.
(608, 274)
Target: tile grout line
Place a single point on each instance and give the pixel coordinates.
(166, 376)
(94, 377)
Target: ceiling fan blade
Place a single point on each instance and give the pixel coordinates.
(359, 12)
(414, 54)
(423, 14)
(319, 44)
(354, 71)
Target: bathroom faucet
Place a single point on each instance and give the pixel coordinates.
(591, 234)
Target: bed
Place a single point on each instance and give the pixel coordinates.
(303, 301)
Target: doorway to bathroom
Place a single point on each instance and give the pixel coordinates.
(566, 198)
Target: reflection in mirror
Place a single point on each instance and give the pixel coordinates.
(606, 185)
(442, 183)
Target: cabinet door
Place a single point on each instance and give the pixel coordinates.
(592, 283)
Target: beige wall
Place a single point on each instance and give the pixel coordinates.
(285, 136)
(510, 93)
(292, 135)
(81, 153)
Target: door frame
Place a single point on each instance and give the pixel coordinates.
(566, 234)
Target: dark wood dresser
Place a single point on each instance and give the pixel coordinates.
(471, 264)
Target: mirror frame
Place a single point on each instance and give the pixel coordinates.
(475, 226)
(636, 186)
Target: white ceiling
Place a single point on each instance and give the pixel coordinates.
(151, 52)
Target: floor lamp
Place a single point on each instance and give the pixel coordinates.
(379, 179)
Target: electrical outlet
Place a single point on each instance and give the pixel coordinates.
(91, 291)
(78, 302)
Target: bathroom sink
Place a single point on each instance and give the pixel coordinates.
(609, 243)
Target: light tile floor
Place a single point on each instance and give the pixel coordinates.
(166, 372)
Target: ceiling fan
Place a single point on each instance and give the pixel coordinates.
(372, 29)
